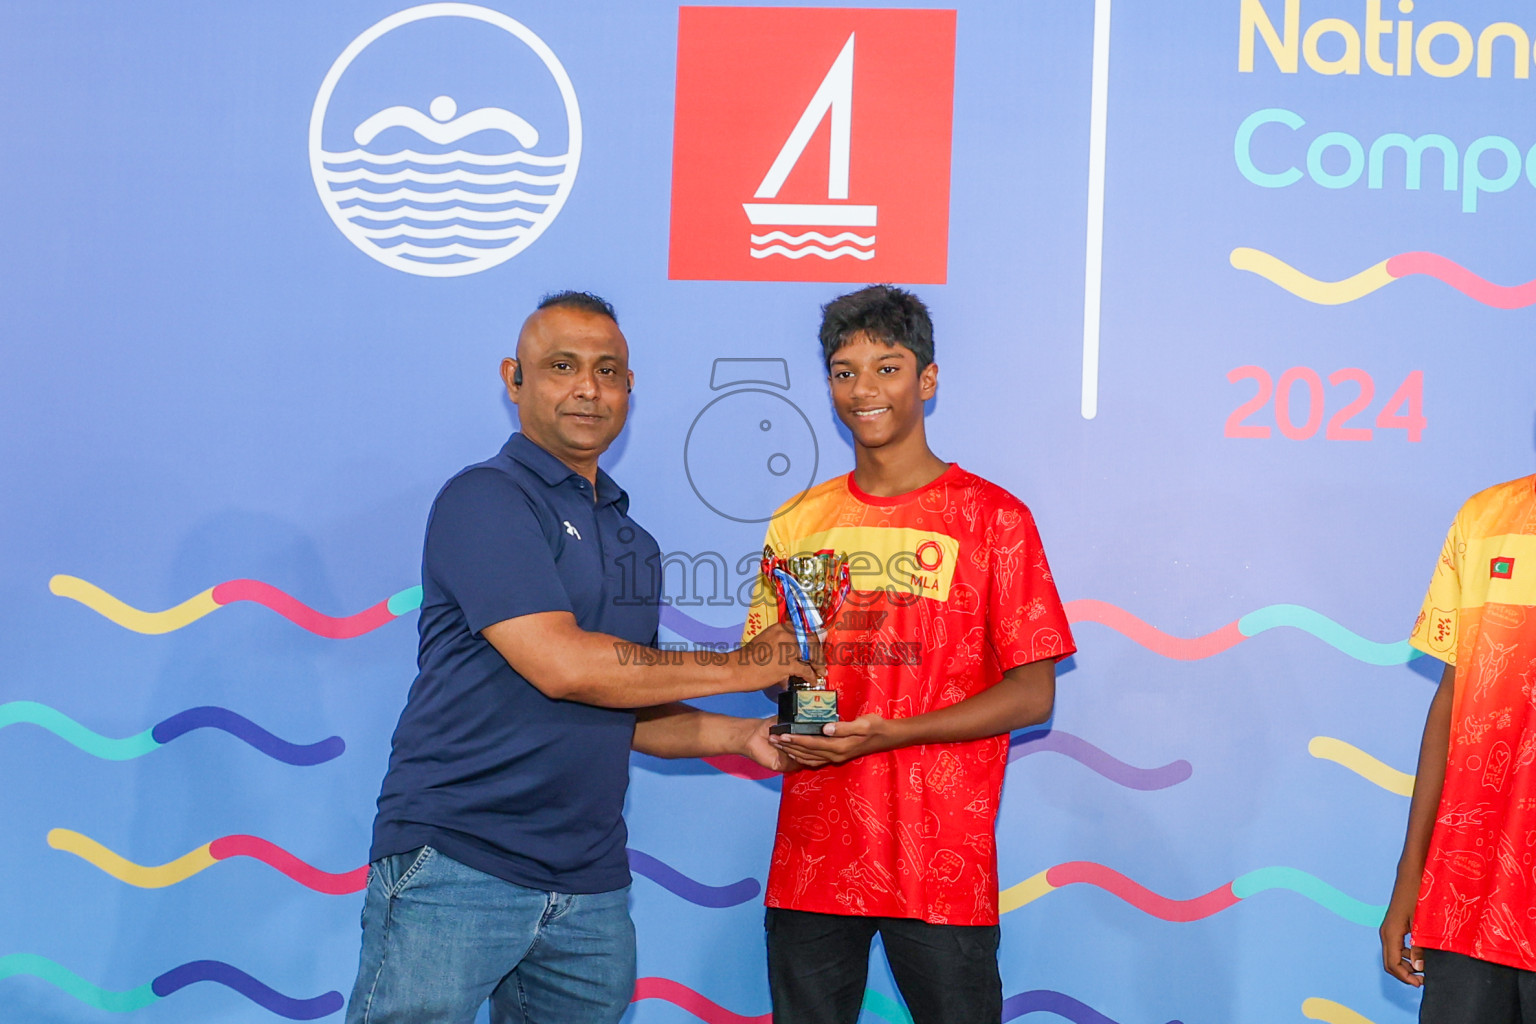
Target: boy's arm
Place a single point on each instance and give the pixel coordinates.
(678, 730)
(1434, 750)
(1023, 697)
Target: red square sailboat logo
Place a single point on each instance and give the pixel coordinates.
(812, 145)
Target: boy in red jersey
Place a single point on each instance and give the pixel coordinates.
(1465, 888)
(947, 642)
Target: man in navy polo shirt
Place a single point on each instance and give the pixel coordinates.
(498, 865)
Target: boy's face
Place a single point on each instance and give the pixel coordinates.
(878, 392)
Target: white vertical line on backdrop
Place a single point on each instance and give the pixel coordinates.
(1094, 276)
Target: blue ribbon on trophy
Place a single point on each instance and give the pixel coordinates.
(802, 616)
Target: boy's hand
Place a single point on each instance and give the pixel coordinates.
(840, 742)
(1404, 963)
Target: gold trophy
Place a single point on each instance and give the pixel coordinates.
(810, 590)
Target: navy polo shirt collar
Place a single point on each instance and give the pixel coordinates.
(554, 472)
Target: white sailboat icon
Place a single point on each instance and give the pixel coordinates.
(833, 99)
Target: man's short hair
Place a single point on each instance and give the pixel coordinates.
(586, 302)
(882, 313)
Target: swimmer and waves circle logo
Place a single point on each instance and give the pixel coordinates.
(445, 139)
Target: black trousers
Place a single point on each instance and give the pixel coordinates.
(1464, 990)
(818, 965)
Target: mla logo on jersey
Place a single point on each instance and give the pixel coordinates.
(812, 145)
(929, 555)
(445, 139)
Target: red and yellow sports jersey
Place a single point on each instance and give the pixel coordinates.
(950, 589)
(1479, 884)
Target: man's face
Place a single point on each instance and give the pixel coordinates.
(574, 397)
(878, 392)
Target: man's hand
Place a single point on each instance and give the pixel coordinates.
(840, 742)
(755, 742)
(774, 655)
(1403, 963)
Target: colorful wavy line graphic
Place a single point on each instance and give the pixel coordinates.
(1275, 616)
(685, 998)
(216, 971)
(1112, 768)
(158, 876)
(1150, 637)
(883, 1006)
(1083, 610)
(211, 600)
(1362, 764)
(740, 767)
(188, 864)
(707, 1010)
(1043, 1000)
(694, 631)
(1408, 264)
(1197, 908)
(26, 712)
(1331, 1012)
(679, 884)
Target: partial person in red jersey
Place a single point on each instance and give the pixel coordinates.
(1462, 918)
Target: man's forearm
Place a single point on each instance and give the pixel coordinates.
(612, 673)
(565, 662)
(678, 730)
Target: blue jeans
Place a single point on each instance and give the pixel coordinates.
(440, 938)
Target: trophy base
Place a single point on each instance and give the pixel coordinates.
(797, 728)
(804, 712)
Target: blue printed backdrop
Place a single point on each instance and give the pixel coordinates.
(205, 382)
